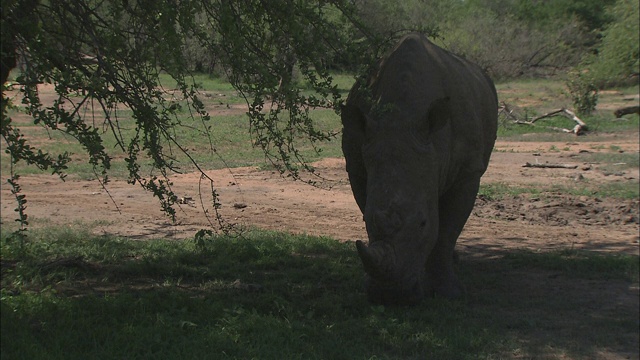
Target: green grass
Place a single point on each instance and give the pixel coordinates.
(604, 123)
(211, 87)
(600, 123)
(220, 89)
(269, 295)
(537, 96)
(628, 190)
(575, 263)
(230, 139)
(230, 144)
(611, 160)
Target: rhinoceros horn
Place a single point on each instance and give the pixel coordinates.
(375, 258)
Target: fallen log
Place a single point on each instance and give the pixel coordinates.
(568, 113)
(626, 111)
(579, 129)
(550, 166)
(509, 113)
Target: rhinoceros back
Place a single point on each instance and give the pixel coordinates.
(412, 77)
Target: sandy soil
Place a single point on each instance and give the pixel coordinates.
(251, 197)
(264, 199)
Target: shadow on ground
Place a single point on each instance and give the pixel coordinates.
(269, 297)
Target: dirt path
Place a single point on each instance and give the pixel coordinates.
(263, 199)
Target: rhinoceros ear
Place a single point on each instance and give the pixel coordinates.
(438, 115)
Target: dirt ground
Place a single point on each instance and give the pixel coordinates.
(263, 199)
(251, 197)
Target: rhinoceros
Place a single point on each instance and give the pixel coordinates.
(417, 136)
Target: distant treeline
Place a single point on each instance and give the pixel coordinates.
(509, 38)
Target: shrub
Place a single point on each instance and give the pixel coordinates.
(583, 91)
(616, 62)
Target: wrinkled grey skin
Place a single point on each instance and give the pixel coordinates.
(417, 138)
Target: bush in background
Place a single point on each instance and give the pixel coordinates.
(583, 91)
(616, 62)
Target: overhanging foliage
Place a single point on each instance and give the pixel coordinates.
(107, 55)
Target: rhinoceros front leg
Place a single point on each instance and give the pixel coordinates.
(455, 207)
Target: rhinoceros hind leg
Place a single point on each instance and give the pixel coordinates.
(454, 209)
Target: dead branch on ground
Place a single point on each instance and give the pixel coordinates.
(579, 129)
(549, 166)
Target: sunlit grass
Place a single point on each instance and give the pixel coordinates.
(620, 190)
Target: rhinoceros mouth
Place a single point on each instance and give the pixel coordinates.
(383, 285)
(378, 260)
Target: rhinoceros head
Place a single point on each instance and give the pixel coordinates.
(401, 206)
(395, 264)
